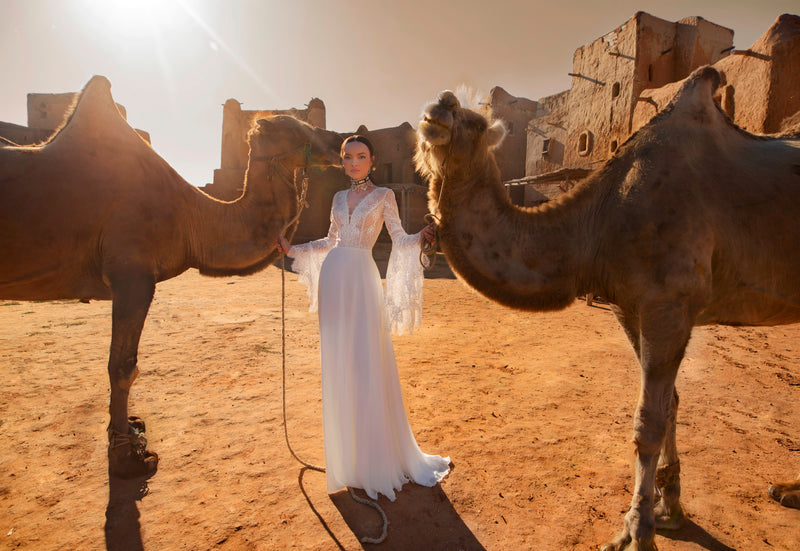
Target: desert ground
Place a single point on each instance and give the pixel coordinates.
(534, 409)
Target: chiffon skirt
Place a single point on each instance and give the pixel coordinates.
(368, 439)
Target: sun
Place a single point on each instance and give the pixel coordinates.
(136, 16)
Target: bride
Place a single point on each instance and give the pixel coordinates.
(367, 436)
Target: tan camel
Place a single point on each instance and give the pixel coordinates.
(693, 221)
(95, 213)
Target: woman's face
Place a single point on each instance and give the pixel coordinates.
(356, 160)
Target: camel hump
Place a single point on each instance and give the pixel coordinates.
(94, 115)
(695, 98)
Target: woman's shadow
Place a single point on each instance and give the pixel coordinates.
(420, 518)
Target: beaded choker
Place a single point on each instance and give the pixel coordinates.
(360, 185)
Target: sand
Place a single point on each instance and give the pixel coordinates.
(535, 410)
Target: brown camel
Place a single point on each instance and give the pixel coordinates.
(694, 221)
(95, 213)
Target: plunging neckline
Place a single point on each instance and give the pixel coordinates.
(355, 208)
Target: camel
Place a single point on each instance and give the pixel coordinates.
(692, 222)
(95, 213)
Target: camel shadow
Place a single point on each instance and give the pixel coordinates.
(122, 529)
(420, 518)
(692, 533)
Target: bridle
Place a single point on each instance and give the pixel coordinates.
(301, 196)
(430, 249)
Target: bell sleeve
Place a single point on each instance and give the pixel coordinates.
(404, 273)
(308, 258)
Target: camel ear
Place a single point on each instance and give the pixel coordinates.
(496, 134)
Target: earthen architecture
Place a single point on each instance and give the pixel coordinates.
(46, 113)
(619, 81)
(622, 79)
(394, 148)
(761, 85)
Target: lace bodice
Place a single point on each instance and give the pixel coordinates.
(403, 293)
(361, 228)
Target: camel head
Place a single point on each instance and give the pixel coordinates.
(455, 143)
(293, 143)
(285, 144)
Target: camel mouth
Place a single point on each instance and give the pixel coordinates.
(434, 131)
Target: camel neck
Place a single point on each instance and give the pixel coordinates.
(521, 257)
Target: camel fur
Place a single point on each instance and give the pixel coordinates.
(693, 221)
(95, 213)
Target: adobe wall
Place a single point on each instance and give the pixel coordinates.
(394, 150)
(46, 113)
(23, 135)
(759, 89)
(547, 137)
(515, 112)
(609, 74)
(236, 123)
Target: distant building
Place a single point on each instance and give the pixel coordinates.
(619, 81)
(46, 113)
(394, 150)
(580, 128)
(515, 112)
(760, 88)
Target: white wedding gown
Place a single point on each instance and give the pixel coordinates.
(367, 436)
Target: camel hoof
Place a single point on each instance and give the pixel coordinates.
(624, 542)
(668, 519)
(634, 545)
(787, 494)
(128, 456)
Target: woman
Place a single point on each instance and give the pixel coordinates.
(368, 440)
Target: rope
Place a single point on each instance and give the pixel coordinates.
(431, 248)
(301, 204)
(374, 505)
(283, 370)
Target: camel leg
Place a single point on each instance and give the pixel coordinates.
(668, 510)
(787, 494)
(132, 295)
(661, 339)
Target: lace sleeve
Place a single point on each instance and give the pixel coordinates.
(404, 276)
(308, 259)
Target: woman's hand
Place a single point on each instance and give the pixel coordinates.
(282, 245)
(429, 233)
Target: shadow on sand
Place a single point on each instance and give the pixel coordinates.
(420, 518)
(123, 532)
(692, 533)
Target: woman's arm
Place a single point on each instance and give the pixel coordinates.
(404, 275)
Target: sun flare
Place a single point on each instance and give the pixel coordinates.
(135, 16)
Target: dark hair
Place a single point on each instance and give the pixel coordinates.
(357, 138)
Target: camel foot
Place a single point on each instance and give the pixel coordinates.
(624, 542)
(787, 494)
(668, 518)
(128, 456)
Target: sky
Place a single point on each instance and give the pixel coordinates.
(174, 63)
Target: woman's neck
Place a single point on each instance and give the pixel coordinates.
(360, 185)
